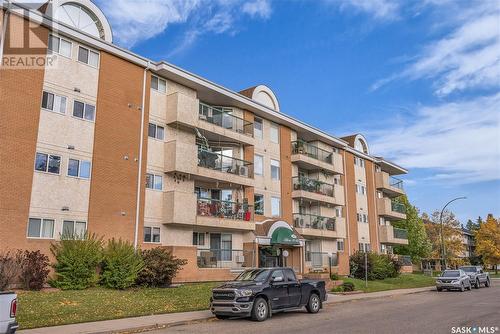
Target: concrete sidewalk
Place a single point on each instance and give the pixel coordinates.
(172, 319)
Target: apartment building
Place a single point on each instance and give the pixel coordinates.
(102, 140)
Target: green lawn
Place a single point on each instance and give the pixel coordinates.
(404, 281)
(492, 274)
(51, 308)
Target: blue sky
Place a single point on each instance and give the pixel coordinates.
(421, 79)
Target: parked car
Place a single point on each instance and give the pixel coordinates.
(8, 308)
(477, 276)
(453, 279)
(258, 293)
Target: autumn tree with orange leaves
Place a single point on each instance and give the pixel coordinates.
(488, 242)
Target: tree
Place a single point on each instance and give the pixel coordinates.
(471, 226)
(454, 248)
(419, 245)
(488, 241)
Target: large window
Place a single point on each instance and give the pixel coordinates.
(259, 204)
(79, 168)
(54, 102)
(156, 131)
(340, 245)
(275, 170)
(88, 57)
(151, 234)
(226, 247)
(359, 162)
(84, 110)
(41, 228)
(74, 229)
(275, 206)
(362, 218)
(257, 128)
(60, 46)
(258, 162)
(360, 189)
(158, 84)
(275, 133)
(154, 181)
(48, 163)
(198, 239)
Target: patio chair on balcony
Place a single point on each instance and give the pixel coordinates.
(207, 259)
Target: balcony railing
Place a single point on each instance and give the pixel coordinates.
(220, 162)
(224, 209)
(225, 258)
(320, 260)
(303, 220)
(312, 151)
(398, 207)
(222, 117)
(312, 186)
(396, 183)
(400, 233)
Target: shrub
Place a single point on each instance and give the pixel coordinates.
(334, 277)
(347, 286)
(121, 265)
(160, 267)
(10, 268)
(77, 261)
(379, 266)
(34, 269)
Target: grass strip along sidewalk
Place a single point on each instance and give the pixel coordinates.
(54, 307)
(404, 281)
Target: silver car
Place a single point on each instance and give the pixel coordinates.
(453, 280)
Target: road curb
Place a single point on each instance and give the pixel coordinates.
(332, 302)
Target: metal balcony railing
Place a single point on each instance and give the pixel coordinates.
(303, 220)
(400, 233)
(224, 209)
(312, 151)
(321, 260)
(220, 162)
(224, 118)
(225, 258)
(396, 183)
(312, 186)
(398, 207)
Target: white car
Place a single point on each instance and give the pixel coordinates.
(453, 280)
(8, 308)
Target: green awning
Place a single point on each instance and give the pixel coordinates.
(284, 236)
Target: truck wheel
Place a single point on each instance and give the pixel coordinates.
(260, 310)
(439, 289)
(462, 287)
(477, 284)
(487, 283)
(314, 304)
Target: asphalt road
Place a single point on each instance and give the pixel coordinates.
(427, 312)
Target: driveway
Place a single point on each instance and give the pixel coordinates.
(427, 312)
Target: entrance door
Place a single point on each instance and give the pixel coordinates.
(215, 241)
(279, 291)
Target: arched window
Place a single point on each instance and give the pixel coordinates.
(81, 18)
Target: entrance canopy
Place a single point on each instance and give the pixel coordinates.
(284, 236)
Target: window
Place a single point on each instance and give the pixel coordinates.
(275, 134)
(381, 221)
(340, 245)
(290, 275)
(79, 168)
(277, 273)
(156, 131)
(336, 180)
(198, 239)
(275, 170)
(226, 245)
(151, 234)
(364, 247)
(154, 181)
(60, 46)
(258, 162)
(307, 250)
(362, 217)
(338, 211)
(54, 102)
(360, 189)
(257, 128)
(359, 162)
(160, 85)
(275, 206)
(41, 228)
(84, 110)
(88, 56)
(47, 163)
(258, 204)
(74, 229)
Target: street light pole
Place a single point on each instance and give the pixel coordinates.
(443, 251)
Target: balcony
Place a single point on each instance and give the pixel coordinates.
(315, 226)
(226, 258)
(218, 167)
(224, 214)
(392, 235)
(223, 117)
(390, 185)
(320, 261)
(311, 157)
(390, 209)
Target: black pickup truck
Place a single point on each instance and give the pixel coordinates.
(258, 293)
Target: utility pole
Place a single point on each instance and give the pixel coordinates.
(443, 251)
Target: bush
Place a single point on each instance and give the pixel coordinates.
(10, 268)
(334, 277)
(379, 266)
(77, 262)
(160, 267)
(121, 265)
(347, 286)
(34, 269)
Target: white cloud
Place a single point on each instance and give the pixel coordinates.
(466, 58)
(459, 140)
(259, 8)
(379, 9)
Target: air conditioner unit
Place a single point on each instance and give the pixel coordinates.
(243, 171)
(240, 259)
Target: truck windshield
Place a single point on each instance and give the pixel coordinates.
(258, 275)
(469, 269)
(451, 273)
